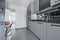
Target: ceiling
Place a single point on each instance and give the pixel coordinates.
(22, 3)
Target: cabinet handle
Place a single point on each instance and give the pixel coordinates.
(55, 25)
(40, 23)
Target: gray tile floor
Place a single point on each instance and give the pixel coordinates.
(23, 34)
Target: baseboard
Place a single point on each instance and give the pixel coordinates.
(20, 28)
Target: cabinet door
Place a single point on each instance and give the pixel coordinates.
(34, 6)
(53, 32)
(44, 4)
(54, 2)
(39, 29)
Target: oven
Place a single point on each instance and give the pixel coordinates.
(54, 15)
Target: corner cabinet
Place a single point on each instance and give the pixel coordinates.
(39, 29)
(53, 31)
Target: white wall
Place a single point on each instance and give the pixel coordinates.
(23, 3)
(20, 10)
(20, 13)
(20, 17)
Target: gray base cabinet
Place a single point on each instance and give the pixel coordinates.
(45, 31)
(53, 31)
(39, 29)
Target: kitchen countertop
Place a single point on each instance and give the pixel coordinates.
(56, 22)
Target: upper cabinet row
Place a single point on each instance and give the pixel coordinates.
(34, 6)
(39, 5)
(43, 4)
(54, 2)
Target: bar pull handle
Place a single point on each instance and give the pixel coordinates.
(55, 25)
(40, 23)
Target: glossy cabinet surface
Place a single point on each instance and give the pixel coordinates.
(39, 29)
(44, 31)
(53, 31)
(44, 4)
(54, 2)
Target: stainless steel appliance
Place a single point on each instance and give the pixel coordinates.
(51, 14)
(54, 15)
(41, 17)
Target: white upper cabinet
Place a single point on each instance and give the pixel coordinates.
(54, 2)
(34, 6)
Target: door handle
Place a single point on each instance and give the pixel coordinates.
(55, 25)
